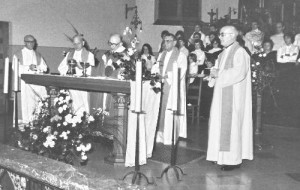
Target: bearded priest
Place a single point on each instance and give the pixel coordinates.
(78, 54)
(230, 125)
(164, 67)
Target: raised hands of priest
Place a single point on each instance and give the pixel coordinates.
(214, 73)
(32, 67)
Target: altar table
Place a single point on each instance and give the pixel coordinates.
(120, 91)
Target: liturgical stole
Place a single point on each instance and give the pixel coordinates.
(166, 86)
(227, 102)
(84, 55)
(38, 56)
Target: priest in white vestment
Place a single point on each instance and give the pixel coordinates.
(165, 64)
(230, 124)
(30, 62)
(79, 54)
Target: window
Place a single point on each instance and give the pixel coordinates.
(172, 12)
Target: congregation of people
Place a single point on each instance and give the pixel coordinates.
(225, 52)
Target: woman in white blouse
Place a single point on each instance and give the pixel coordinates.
(289, 52)
(147, 56)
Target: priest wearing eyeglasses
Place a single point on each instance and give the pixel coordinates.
(230, 124)
(30, 61)
(164, 67)
(78, 54)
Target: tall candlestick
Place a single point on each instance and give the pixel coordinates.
(6, 76)
(262, 3)
(138, 87)
(282, 12)
(294, 8)
(16, 74)
(175, 86)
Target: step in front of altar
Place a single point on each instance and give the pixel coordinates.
(51, 172)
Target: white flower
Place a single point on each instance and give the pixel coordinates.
(68, 118)
(60, 109)
(65, 107)
(68, 132)
(34, 137)
(55, 133)
(105, 113)
(80, 136)
(60, 98)
(130, 51)
(58, 125)
(78, 148)
(264, 55)
(64, 135)
(55, 100)
(46, 129)
(65, 123)
(257, 63)
(84, 157)
(91, 118)
(121, 77)
(88, 147)
(260, 55)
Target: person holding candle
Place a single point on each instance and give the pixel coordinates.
(230, 127)
(78, 54)
(28, 61)
(166, 61)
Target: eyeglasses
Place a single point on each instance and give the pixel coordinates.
(29, 42)
(223, 34)
(113, 44)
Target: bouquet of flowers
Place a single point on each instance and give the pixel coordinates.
(124, 64)
(58, 133)
(262, 71)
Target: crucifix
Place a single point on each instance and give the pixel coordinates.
(211, 14)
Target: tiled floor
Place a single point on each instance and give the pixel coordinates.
(275, 167)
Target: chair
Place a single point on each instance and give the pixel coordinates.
(194, 98)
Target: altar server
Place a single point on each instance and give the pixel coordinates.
(165, 66)
(30, 62)
(79, 54)
(230, 124)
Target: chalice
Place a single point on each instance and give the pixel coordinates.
(72, 64)
(84, 66)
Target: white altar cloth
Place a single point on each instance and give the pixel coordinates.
(148, 123)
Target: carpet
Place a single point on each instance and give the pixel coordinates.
(162, 153)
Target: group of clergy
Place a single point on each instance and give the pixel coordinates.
(230, 126)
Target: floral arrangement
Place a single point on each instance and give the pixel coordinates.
(263, 72)
(58, 133)
(124, 63)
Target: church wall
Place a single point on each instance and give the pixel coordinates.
(48, 21)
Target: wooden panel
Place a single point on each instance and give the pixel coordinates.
(79, 83)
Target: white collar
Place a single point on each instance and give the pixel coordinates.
(28, 50)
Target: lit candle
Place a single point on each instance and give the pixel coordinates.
(6, 76)
(175, 86)
(16, 75)
(138, 87)
(282, 12)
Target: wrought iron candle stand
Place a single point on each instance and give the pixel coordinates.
(137, 174)
(173, 153)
